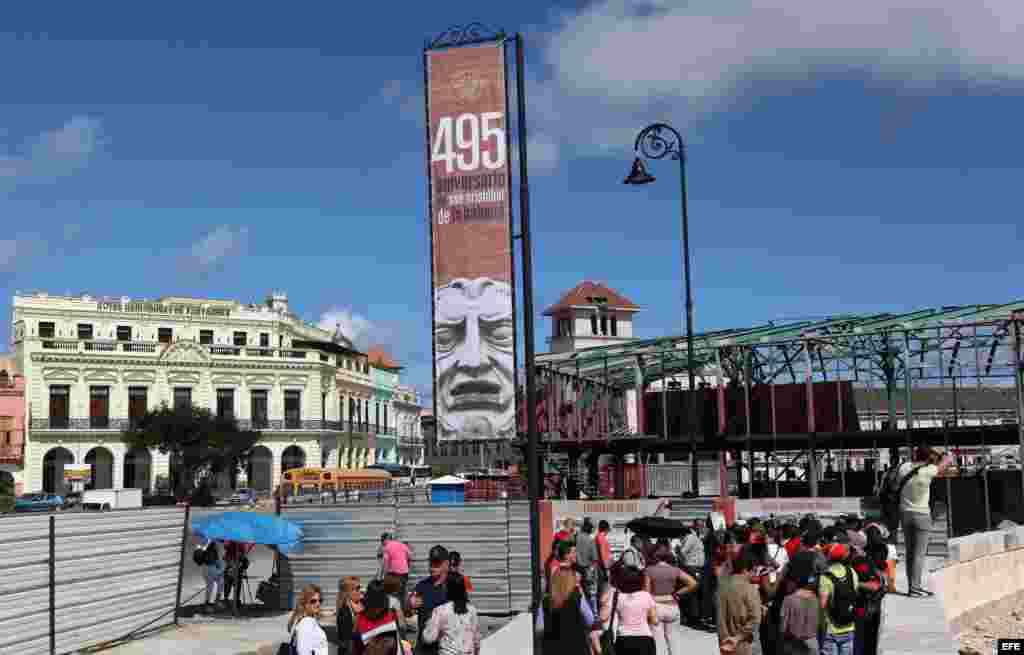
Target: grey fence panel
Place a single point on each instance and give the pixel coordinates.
(520, 568)
(478, 531)
(338, 541)
(116, 573)
(25, 585)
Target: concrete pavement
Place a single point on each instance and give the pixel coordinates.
(916, 626)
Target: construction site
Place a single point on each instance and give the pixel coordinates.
(794, 409)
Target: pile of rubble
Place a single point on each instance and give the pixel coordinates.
(980, 638)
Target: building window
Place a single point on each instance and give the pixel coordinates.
(385, 417)
(240, 338)
(206, 337)
(259, 408)
(376, 416)
(138, 404)
(615, 326)
(292, 409)
(59, 406)
(183, 399)
(264, 340)
(85, 331)
(323, 407)
(604, 325)
(593, 324)
(164, 335)
(46, 330)
(226, 404)
(99, 407)
(5, 379)
(124, 333)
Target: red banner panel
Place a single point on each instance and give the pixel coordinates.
(474, 320)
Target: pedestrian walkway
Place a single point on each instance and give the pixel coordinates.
(916, 626)
(517, 635)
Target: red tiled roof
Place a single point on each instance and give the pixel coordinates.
(585, 292)
(377, 357)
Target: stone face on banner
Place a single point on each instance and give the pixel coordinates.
(471, 243)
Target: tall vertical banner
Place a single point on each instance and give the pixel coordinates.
(471, 250)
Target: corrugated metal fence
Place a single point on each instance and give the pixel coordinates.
(99, 576)
(342, 540)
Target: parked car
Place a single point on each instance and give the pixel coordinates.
(39, 503)
(243, 496)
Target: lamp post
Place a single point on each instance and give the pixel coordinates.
(658, 141)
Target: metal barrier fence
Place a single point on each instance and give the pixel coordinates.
(342, 540)
(71, 581)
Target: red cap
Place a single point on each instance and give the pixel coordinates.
(838, 552)
(757, 538)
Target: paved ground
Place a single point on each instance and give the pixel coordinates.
(915, 626)
(223, 635)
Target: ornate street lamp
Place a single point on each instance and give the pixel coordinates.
(659, 141)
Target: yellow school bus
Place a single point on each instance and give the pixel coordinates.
(310, 481)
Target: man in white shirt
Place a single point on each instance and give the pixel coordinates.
(916, 514)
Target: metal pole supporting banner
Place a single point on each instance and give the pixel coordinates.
(528, 345)
(181, 560)
(747, 419)
(53, 585)
(1019, 384)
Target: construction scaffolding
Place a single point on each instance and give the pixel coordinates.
(814, 399)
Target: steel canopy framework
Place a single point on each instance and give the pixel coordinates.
(924, 345)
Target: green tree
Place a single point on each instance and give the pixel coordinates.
(6, 493)
(200, 445)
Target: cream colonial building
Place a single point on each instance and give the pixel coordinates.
(92, 364)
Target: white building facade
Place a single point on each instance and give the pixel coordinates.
(92, 365)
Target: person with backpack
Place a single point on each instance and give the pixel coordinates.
(837, 593)
(916, 514)
(213, 573)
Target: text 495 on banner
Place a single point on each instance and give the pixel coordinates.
(474, 324)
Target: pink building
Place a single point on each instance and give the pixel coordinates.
(12, 422)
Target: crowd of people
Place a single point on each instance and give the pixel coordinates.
(768, 587)
(435, 618)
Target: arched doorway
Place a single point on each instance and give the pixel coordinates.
(102, 462)
(293, 457)
(260, 469)
(138, 469)
(53, 470)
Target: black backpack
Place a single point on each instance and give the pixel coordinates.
(890, 490)
(842, 602)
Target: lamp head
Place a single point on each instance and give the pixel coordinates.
(638, 174)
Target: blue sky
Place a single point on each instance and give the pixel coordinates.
(841, 158)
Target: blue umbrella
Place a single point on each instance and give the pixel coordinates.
(252, 528)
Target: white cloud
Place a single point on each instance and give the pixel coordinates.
(214, 251)
(357, 328)
(613, 68)
(61, 151)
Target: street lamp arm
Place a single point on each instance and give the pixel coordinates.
(660, 140)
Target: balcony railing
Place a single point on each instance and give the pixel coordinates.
(90, 423)
(151, 347)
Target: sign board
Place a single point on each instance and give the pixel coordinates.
(617, 512)
(77, 472)
(823, 507)
(471, 243)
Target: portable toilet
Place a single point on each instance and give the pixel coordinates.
(447, 489)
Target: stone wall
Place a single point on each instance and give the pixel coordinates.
(984, 575)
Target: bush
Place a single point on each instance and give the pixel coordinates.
(6, 493)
